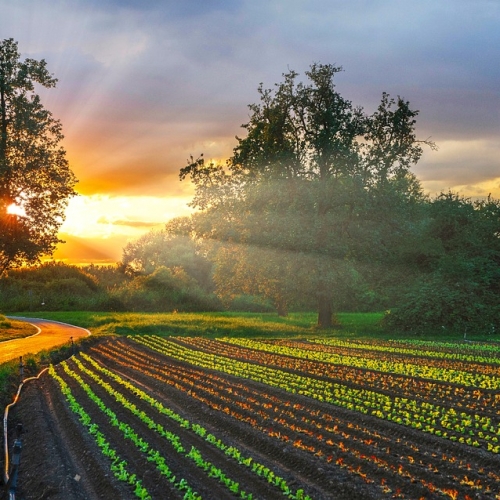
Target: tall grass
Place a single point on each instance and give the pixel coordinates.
(240, 324)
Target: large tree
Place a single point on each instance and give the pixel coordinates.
(35, 179)
(317, 176)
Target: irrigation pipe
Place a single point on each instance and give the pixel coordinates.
(6, 413)
(5, 418)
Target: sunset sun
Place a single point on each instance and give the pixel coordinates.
(277, 226)
(14, 209)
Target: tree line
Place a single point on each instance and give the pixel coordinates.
(318, 200)
(316, 209)
(443, 277)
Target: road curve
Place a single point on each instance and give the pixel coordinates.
(50, 334)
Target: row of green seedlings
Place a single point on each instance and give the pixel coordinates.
(434, 419)
(409, 412)
(480, 401)
(449, 375)
(417, 351)
(484, 427)
(216, 387)
(118, 466)
(281, 425)
(298, 444)
(279, 422)
(129, 433)
(172, 438)
(231, 451)
(486, 347)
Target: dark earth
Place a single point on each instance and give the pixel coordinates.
(366, 457)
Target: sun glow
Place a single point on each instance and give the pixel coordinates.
(101, 216)
(97, 227)
(14, 209)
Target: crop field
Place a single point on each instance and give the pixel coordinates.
(193, 417)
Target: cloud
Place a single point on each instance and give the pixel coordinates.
(132, 67)
(143, 85)
(129, 223)
(95, 216)
(187, 9)
(461, 163)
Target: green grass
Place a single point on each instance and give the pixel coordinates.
(219, 324)
(238, 324)
(10, 329)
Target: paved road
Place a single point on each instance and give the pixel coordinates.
(50, 334)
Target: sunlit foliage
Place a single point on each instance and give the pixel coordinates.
(35, 179)
(316, 177)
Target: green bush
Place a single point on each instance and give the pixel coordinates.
(250, 303)
(435, 304)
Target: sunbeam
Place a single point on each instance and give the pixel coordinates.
(144, 85)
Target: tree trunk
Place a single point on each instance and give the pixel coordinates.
(325, 310)
(281, 308)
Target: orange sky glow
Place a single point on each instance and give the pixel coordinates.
(144, 85)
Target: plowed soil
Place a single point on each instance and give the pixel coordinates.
(326, 451)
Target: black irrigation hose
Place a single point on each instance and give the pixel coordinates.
(6, 476)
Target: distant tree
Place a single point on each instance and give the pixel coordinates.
(53, 271)
(144, 255)
(108, 277)
(166, 289)
(315, 176)
(171, 247)
(280, 277)
(51, 285)
(35, 179)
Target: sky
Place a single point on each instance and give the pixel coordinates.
(145, 84)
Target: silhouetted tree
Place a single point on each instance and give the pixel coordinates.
(315, 176)
(35, 179)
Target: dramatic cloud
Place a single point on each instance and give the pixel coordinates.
(142, 85)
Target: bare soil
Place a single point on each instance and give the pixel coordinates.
(329, 452)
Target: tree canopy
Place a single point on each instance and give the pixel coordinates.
(458, 284)
(35, 179)
(317, 177)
